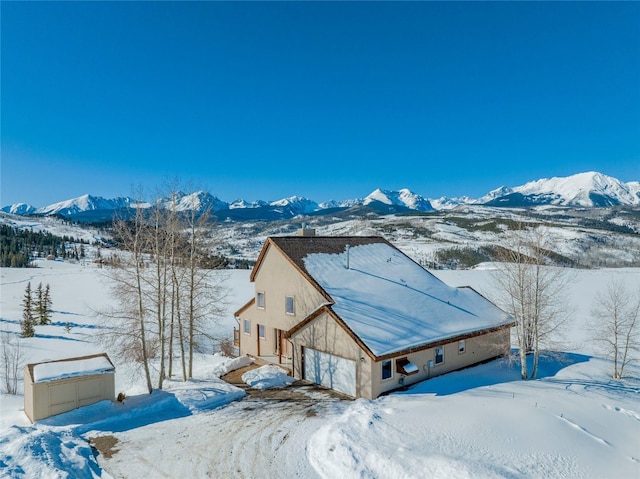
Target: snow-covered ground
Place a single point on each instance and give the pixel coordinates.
(574, 421)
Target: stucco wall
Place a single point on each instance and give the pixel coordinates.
(326, 335)
(276, 278)
(477, 349)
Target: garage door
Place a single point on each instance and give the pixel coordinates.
(330, 371)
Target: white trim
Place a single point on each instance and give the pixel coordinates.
(260, 294)
(293, 305)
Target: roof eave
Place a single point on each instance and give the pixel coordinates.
(442, 342)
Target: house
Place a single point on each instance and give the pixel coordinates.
(54, 387)
(357, 315)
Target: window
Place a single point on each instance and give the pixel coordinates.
(406, 367)
(289, 305)
(439, 355)
(462, 347)
(260, 299)
(261, 331)
(386, 369)
(247, 326)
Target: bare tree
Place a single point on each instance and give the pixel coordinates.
(165, 294)
(174, 229)
(615, 325)
(159, 277)
(204, 292)
(534, 293)
(129, 329)
(12, 356)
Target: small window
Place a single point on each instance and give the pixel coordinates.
(260, 299)
(439, 355)
(406, 367)
(247, 326)
(261, 331)
(289, 305)
(462, 347)
(386, 369)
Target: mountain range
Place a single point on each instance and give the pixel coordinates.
(587, 190)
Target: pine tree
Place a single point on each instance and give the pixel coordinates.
(39, 307)
(47, 304)
(43, 304)
(27, 322)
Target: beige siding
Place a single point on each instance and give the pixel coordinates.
(477, 350)
(277, 278)
(326, 335)
(44, 399)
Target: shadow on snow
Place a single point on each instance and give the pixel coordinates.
(498, 371)
(134, 412)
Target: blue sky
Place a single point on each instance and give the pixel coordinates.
(326, 100)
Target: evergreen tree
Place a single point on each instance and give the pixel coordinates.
(43, 305)
(27, 323)
(47, 304)
(39, 307)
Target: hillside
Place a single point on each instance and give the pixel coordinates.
(466, 235)
(460, 237)
(574, 421)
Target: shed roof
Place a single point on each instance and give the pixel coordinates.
(70, 367)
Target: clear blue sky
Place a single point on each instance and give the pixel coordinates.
(326, 100)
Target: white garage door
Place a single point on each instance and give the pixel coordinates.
(330, 371)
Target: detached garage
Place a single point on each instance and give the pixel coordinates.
(54, 387)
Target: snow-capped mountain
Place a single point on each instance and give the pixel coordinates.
(403, 197)
(83, 204)
(200, 201)
(20, 209)
(589, 189)
(240, 204)
(446, 203)
(296, 204)
(340, 204)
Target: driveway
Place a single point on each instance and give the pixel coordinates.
(263, 435)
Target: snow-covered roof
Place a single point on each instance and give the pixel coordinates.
(392, 304)
(71, 367)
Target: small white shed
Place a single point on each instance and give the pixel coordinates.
(54, 387)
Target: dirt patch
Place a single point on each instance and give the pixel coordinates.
(104, 445)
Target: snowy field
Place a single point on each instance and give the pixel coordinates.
(483, 422)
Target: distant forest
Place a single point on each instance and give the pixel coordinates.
(18, 247)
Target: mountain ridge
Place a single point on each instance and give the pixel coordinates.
(589, 189)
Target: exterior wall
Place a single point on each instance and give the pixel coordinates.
(326, 335)
(276, 278)
(477, 349)
(44, 399)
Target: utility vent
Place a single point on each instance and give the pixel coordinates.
(306, 232)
